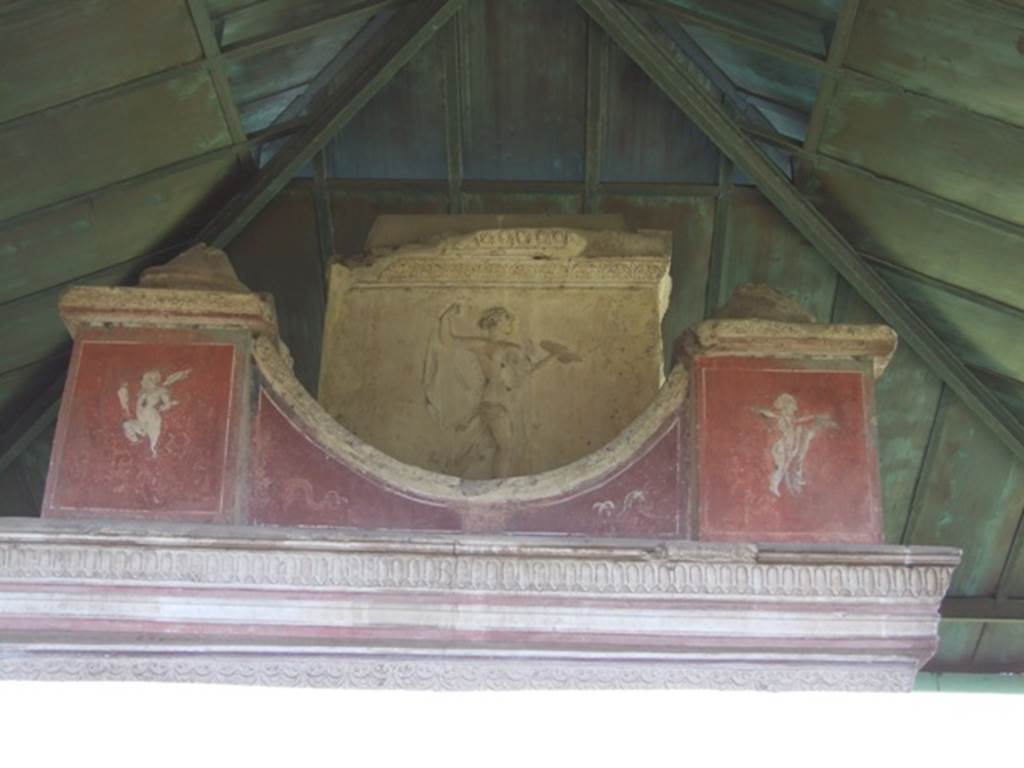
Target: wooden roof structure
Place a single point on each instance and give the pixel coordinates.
(863, 156)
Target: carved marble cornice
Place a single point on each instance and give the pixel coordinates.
(296, 607)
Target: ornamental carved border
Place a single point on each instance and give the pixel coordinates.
(556, 273)
(428, 572)
(454, 675)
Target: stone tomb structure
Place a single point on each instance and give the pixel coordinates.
(206, 519)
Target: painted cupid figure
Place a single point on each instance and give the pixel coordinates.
(473, 386)
(153, 399)
(795, 436)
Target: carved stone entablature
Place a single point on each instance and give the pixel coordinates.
(391, 612)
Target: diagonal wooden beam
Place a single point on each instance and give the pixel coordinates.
(836, 54)
(645, 42)
(31, 423)
(387, 53)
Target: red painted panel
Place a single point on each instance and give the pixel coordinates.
(148, 428)
(786, 451)
(295, 482)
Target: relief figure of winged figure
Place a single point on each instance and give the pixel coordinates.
(473, 385)
(152, 400)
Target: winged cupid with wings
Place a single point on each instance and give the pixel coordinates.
(154, 398)
(473, 387)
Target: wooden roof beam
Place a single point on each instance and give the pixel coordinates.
(645, 42)
(385, 54)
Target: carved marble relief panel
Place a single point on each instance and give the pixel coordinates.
(149, 427)
(499, 353)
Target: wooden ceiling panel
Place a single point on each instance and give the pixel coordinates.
(237, 22)
(400, 133)
(906, 398)
(970, 496)
(269, 72)
(524, 108)
(887, 222)
(648, 138)
(966, 52)
(759, 73)
(982, 334)
(761, 247)
(1001, 646)
(768, 21)
(97, 232)
(930, 145)
(57, 51)
(54, 158)
(957, 641)
(824, 10)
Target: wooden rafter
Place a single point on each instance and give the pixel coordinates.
(200, 13)
(826, 91)
(598, 53)
(455, 54)
(644, 41)
(387, 53)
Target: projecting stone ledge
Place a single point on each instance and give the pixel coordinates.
(287, 607)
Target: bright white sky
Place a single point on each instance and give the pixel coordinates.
(149, 726)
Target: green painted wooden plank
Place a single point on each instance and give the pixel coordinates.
(762, 247)
(374, 144)
(967, 53)
(384, 55)
(942, 149)
(540, 203)
(970, 495)
(525, 108)
(968, 682)
(59, 245)
(691, 222)
(906, 398)
(287, 227)
(57, 51)
(54, 158)
(882, 220)
(760, 73)
(277, 69)
(982, 334)
(1001, 647)
(243, 23)
(957, 641)
(759, 20)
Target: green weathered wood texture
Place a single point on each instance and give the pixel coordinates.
(983, 334)
(968, 53)
(970, 495)
(525, 106)
(680, 80)
(242, 22)
(880, 219)
(762, 247)
(52, 52)
(957, 641)
(58, 246)
(108, 140)
(412, 28)
(1001, 647)
(942, 149)
(906, 399)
